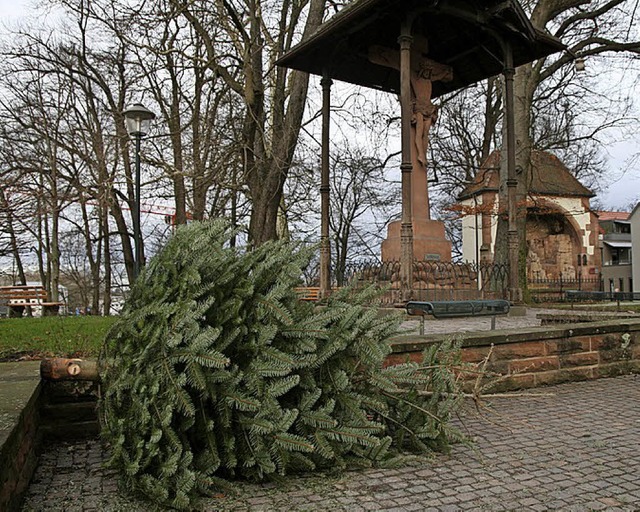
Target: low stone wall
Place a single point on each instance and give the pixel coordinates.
(33, 412)
(20, 397)
(541, 355)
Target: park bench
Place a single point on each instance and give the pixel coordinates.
(16, 298)
(458, 309)
(587, 296)
(310, 293)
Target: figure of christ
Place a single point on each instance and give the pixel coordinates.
(424, 72)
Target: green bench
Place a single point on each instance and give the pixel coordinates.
(458, 309)
(587, 296)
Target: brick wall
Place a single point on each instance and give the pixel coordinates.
(541, 355)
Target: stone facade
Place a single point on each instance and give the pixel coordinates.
(562, 230)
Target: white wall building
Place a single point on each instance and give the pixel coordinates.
(562, 230)
(635, 242)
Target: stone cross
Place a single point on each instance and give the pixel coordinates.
(424, 72)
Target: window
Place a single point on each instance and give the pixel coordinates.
(620, 256)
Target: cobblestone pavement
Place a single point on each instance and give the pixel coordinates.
(576, 449)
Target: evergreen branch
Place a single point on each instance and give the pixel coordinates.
(415, 406)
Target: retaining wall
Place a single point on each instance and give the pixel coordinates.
(541, 355)
(20, 399)
(33, 412)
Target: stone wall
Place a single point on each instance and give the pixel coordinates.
(33, 412)
(19, 441)
(541, 355)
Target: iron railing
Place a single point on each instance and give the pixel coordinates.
(553, 290)
(432, 280)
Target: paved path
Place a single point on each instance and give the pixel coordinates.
(483, 323)
(576, 450)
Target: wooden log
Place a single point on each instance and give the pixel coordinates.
(69, 369)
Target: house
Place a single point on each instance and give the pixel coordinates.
(562, 230)
(634, 219)
(615, 232)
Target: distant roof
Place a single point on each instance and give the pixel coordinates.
(605, 216)
(619, 244)
(549, 176)
(464, 34)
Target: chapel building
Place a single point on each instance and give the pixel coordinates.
(562, 230)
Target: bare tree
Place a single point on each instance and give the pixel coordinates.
(258, 32)
(359, 196)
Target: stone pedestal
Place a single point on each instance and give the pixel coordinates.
(429, 242)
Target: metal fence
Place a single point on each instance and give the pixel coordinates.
(433, 280)
(554, 290)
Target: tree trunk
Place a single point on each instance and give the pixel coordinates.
(525, 83)
(267, 175)
(13, 240)
(106, 234)
(125, 239)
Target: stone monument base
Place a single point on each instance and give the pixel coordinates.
(429, 242)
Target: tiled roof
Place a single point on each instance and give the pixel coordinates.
(549, 176)
(604, 216)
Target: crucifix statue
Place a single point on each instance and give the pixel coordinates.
(424, 72)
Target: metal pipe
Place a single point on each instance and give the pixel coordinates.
(137, 235)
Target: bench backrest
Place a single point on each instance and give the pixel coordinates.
(22, 294)
(608, 296)
(459, 308)
(311, 293)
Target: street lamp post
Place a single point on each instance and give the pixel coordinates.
(138, 119)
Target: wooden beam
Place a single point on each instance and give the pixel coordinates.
(57, 369)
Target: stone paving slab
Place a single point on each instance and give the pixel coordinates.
(479, 323)
(576, 450)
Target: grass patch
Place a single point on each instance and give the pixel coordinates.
(54, 336)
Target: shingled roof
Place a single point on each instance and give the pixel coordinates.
(606, 216)
(465, 34)
(549, 176)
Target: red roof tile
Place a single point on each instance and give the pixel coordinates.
(604, 216)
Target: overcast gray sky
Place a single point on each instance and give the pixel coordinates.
(624, 175)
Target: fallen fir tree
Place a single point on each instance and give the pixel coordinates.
(216, 371)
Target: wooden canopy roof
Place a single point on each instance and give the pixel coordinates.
(464, 34)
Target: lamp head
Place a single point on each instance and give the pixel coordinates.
(138, 119)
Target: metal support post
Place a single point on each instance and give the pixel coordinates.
(406, 167)
(325, 244)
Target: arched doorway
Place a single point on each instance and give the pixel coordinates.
(553, 244)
